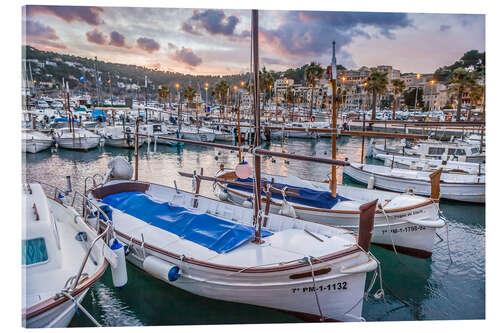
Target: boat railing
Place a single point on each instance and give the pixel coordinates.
(86, 202)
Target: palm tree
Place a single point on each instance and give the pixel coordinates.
(220, 91)
(461, 81)
(189, 93)
(164, 92)
(289, 98)
(266, 81)
(376, 83)
(476, 97)
(398, 87)
(313, 72)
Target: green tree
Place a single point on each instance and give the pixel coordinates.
(461, 81)
(398, 87)
(476, 97)
(289, 98)
(376, 83)
(164, 93)
(313, 72)
(220, 91)
(189, 93)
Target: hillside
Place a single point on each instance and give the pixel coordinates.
(122, 75)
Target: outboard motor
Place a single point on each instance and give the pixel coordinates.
(119, 168)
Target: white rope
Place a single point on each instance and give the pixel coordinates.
(314, 288)
(441, 214)
(77, 305)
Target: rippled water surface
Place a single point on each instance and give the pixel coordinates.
(416, 289)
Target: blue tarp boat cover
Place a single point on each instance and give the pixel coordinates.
(309, 197)
(203, 229)
(96, 113)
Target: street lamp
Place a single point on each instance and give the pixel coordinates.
(416, 91)
(206, 96)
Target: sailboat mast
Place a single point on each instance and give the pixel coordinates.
(333, 83)
(256, 119)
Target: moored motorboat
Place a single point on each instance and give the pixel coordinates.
(62, 257)
(160, 133)
(34, 141)
(460, 187)
(430, 149)
(426, 164)
(121, 137)
(76, 138)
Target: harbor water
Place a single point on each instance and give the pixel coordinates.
(415, 289)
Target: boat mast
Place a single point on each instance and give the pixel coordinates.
(256, 119)
(333, 84)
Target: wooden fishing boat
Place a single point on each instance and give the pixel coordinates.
(406, 221)
(466, 188)
(56, 243)
(34, 141)
(207, 247)
(76, 138)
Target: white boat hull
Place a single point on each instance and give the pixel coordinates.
(296, 297)
(123, 142)
(224, 137)
(78, 143)
(63, 313)
(460, 192)
(34, 145)
(388, 230)
(204, 137)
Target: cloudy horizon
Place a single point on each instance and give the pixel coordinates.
(217, 41)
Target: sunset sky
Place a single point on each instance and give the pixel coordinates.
(200, 41)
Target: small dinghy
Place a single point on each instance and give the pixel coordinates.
(62, 257)
(207, 247)
(459, 187)
(403, 221)
(34, 141)
(76, 138)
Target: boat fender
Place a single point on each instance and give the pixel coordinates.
(247, 203)
(287, 209)
(161, 269)
(119, 272)
(223, 195)
(120, 168)
(371, 182)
